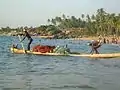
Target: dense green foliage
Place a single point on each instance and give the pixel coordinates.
(102, 23)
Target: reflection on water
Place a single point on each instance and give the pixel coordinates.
(33, 72)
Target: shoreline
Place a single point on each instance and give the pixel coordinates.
(88, 38)
(108, 39)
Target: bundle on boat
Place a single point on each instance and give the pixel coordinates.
(51, 49)
(43, 49)
(61, 50)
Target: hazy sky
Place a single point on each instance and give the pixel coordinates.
(15, 13)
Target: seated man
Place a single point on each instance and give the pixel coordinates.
(95, 45)
(14, 46)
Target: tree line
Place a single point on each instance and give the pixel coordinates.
(103, 23)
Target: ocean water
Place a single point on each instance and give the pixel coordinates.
(34, 72)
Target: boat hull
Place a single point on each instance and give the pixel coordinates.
(111, 55)
(20, 51)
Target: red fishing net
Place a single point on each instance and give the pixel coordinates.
(43, 49)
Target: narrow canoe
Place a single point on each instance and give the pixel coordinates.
(108, 55)
(21, 51)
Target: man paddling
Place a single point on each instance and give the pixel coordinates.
(95, 45)
(29, 38)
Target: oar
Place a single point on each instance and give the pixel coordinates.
(22, 44)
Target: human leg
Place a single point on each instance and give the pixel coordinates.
(28, 47)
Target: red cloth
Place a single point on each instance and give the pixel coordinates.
(43, 49)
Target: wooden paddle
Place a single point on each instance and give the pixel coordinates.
(22, 44)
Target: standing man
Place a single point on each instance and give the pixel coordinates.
(26, 34)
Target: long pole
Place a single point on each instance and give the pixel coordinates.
(21, 43)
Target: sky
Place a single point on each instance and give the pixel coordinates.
(17, 13)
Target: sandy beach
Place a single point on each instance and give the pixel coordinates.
(97, 38)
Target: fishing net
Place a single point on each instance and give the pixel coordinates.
(43, 49)
(61, 50)
(51, 49)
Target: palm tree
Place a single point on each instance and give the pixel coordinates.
(64, 17)
(93, 17)
(88, 18)
(48, 20)
(82, 16)
(53, 21)
(100, 19)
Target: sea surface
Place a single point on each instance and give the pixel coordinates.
(34, 72)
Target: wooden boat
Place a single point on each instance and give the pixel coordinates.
(20, 51)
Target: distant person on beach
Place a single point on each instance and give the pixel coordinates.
(107, 41)
(26, 34)
(114, 40)
(104, 40)
(95, 44)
